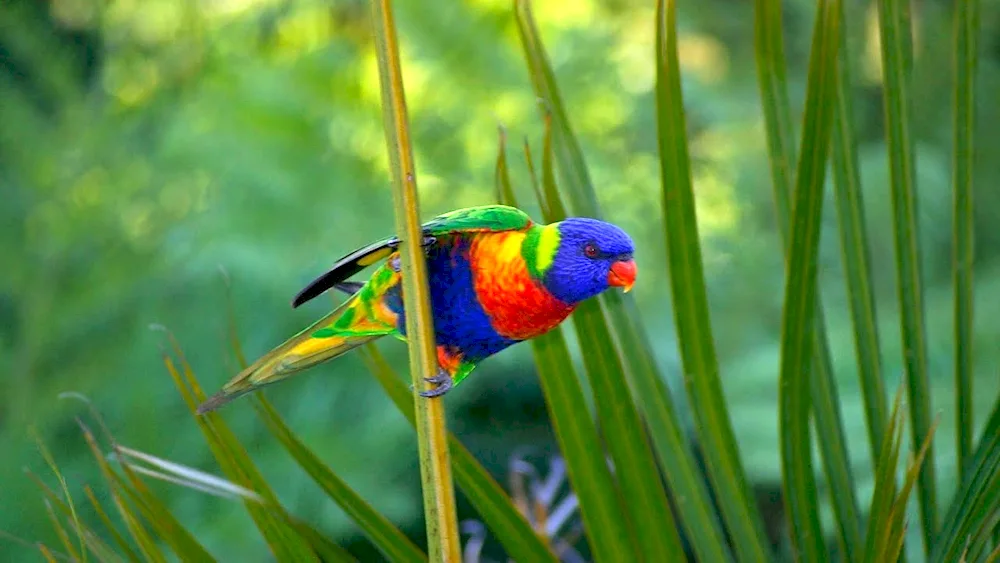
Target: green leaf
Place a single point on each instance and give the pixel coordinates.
(271, 519)
(826, 408)
(895, 28)
(119, 540)
(856, 256)
(799, 317)
(605, 519)
(635, 467)
(487, 497)
(691, 313)
(576, 434)
(770, 57)
(567, 150)
(966, 48)
(386, 537)
(886, 533)
(963, 516)
(435, 468)
(641, 370)
(884, 494)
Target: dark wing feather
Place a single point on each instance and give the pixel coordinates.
(493, 218)
(347, 267)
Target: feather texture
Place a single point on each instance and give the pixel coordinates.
(496, 279)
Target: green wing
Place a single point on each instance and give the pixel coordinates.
(486, 218)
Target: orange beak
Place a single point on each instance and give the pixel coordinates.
(622, 274)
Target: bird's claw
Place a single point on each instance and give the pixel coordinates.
(443, 382)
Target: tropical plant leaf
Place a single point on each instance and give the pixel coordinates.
(801, 294)
(963, 516)
(966, 59)
(691, 312)
(605, 518)
(855, 253)
(386, 537)
(624, 434)
(285, 543)
(895, 28)
(489, 499)
(123, 546)
(824, 395)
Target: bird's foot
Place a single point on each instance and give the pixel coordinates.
(443, 382)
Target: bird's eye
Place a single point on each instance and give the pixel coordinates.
(590, 251)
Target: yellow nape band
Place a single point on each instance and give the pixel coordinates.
(548, 244)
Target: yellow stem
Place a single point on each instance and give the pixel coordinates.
(435, 466)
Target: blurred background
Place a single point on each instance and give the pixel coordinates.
(147, 147)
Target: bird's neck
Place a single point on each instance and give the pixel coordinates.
(538, 249)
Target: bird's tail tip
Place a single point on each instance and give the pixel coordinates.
(214, 402)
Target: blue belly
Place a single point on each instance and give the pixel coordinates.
(459, 319)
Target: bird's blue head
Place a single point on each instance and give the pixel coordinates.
(580, 257)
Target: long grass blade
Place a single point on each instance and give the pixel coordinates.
(856, 256)
(149, 507)
(691, 313)
(435, 468)
(963, 160)
(962, 516)
(566, 148)
(825, 406)
(487, 497)
(271, 519)
(897, 51)
(54, 467)
(123, 546)
(884, 494)
(771, 78)
(604, 517)
(799, 317)
(386, 537)
(635, 467)
(696, 514)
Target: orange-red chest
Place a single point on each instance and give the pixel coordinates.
(518, 306)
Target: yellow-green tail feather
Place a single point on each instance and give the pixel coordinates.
(298, 353)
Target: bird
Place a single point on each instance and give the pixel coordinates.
(495, 277)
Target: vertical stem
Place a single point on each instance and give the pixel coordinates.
(895, 26)
(966, 28)
(435, 466)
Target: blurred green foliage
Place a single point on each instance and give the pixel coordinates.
(146, 145)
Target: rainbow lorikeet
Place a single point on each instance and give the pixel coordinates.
(496, 278)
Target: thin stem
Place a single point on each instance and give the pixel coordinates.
(435, 466)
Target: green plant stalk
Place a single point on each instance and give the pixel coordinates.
(685, 480)
(386, 536)
(856, 255)
(435, 466)
(884, 493)
(484, 493)
(625, 436)
(799, 317)
(963, 518)
(826, 409)
(966, 45)
(895, 28)
(272, 520)
(691, 315)
(771, 77)
(697, 515)
(602, 506)
(567, 151)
